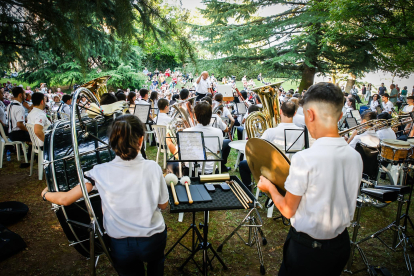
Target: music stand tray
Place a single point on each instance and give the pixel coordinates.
(221, 200)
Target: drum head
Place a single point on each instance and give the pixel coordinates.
(395, 143)
(266, 159)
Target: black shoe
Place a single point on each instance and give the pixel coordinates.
(24, 165)
(383, 176)
(225, 169)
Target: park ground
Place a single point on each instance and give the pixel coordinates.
(48, 253)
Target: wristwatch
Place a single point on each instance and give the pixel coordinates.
(44, 196)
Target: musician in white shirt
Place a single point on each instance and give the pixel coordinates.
(369, 137)
(216, 121)
(163, 118)
(374, 103)
(133, 193)
(321, 192)
(144, 97)
(285, 130)
(3, 119)
(203, 85)
(37, 117)
(387, 106)
(410, 105)
(66, 103)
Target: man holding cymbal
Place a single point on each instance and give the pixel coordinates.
(322, 189)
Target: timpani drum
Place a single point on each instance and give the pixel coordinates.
(395, 150)
(61, 174)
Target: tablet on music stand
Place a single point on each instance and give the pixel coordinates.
(142, 111)
(191, 146)
(351, 122)
(241, 108)
(356, 115)
(299, 141)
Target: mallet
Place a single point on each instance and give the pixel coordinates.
(172, 180)
(185, 180)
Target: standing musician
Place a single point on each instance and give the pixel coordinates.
(369, 137)
(131, 208)
(37, 117)
(321, 192)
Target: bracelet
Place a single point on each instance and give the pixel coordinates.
(44, 196)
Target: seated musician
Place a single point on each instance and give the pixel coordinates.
(387, 105)
(387, 132)
(369, 137)
(131, 208)
(374, 103)
(144, 96)
(277, 137)
(184, 93)
(218, 122)
(410, 105)
(321, 192)
(37, 117)
(298, 120)
(66, 102)
(108, 98)
(16, 116)
(203, 114)
(163, 118)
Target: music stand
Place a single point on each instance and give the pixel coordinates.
(241, 108)
(356, 115)
(351, 122)
(289, 149)
(142, 111)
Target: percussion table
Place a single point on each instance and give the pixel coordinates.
(239, 146)
(221, 200)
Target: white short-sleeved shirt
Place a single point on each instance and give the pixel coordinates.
(277, 136)
(65, 109)
(327, 177)
(38, 117)
(369, 138)
(163, 119)
(3, 117)
(203, 85)
(408, 108)
(15, 115)
(374, 105)
(300, 111)
(299, 120)
(211, 143)
(218, 122)
(130, 192)
(141, 101)
(387, 106)
(386, 133)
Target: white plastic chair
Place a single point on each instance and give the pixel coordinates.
(35, 149)
(5, 141)
(160, 134)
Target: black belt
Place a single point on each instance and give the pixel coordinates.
(310, 242)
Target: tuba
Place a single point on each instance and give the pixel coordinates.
(257, 122)
(97, 86)
(183, 117)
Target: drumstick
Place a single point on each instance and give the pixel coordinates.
(242, 202)
(243, 192)
(240, 192)
(187, 181)
(172, 180)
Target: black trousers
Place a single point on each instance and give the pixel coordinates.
(23, 136)
(200, 96)
(304, 255)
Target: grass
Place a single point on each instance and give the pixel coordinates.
(48, 252)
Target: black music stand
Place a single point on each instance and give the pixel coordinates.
(356, 115)
(221, 200)
(303, 133)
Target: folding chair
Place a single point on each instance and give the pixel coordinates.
(5, 141)
(35, 149)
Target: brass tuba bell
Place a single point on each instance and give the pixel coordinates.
(97, 86)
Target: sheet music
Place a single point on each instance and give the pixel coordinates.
(225, 90)
(191, 146)
(142, 111)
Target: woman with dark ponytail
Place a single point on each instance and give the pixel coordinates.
(133, 193)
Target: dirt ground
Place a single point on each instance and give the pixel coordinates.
(48, 253)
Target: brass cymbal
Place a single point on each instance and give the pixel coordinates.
(266, 159)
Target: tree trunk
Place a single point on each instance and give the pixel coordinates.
(350, 82)
(308, 76)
